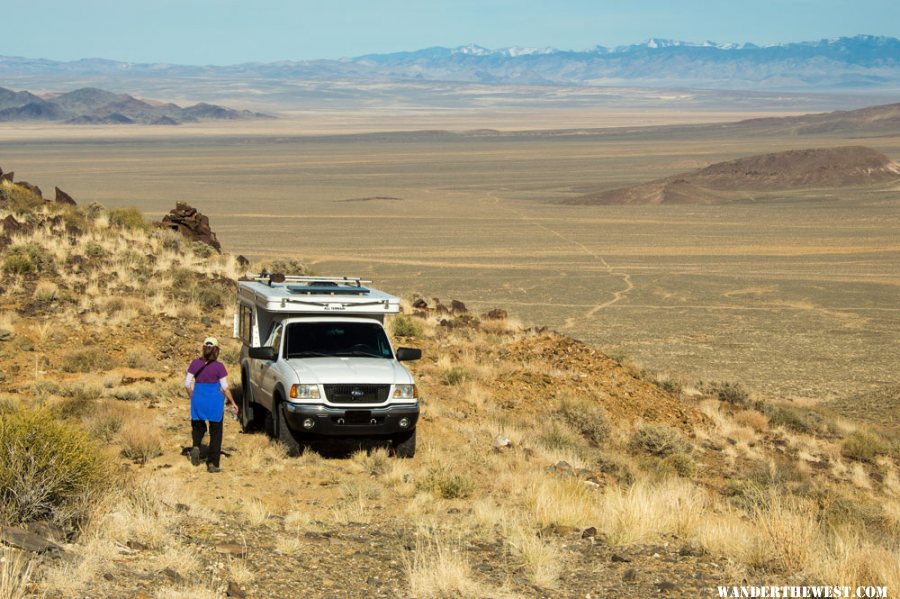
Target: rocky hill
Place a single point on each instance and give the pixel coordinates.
(93, 106)
(545, 468)
(790, 170)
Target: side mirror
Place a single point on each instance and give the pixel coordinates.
(263, 353)
(408, 353)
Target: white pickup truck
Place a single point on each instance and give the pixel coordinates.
(316, 362)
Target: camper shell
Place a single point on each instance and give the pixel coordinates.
(316, 361)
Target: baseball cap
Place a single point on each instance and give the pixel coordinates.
(211, 341)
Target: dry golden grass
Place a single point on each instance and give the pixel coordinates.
(15, 574)
(141, 440)
(439, 568)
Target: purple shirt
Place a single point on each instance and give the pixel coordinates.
(211, 374)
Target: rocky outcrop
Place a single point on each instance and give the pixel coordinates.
(64, 198)
(32, 188)
(191, 223)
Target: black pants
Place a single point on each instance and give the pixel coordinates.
(198, 429)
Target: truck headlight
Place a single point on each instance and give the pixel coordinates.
(304, 392)
(405, 392)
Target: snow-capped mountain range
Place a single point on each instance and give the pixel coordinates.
(860, 62)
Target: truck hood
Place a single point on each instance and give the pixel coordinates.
(350, 371)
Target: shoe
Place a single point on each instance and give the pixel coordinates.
(212, 468)
(195, 456)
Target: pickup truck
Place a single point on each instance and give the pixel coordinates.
(317, 363)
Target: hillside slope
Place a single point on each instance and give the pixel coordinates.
(545, 468)
(791, 170)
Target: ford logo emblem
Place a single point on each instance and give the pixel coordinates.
(357, 393)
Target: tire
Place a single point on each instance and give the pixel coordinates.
(253, 416)
(403, 445)
(283, 432)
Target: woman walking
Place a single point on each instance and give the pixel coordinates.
(206, 381)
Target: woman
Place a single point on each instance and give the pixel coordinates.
(205, 382)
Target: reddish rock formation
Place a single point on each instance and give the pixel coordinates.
(32, 188)
(188, 221)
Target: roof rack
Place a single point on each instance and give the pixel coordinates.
(267, 279)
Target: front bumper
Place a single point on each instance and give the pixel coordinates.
(351, 421)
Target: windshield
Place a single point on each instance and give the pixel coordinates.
(325, 339)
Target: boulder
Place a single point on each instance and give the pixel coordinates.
(7, 176)
(458, 307)
(420, 304)
(495, 314)
(64, 198)
(32, 188)
(242, 261)
(25, 540)
(193, 225)
(10, 225)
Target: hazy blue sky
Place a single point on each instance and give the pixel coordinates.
(232, 31)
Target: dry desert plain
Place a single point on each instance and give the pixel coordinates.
(794, 296)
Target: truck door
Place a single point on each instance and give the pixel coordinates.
(267, 374)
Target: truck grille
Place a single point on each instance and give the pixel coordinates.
(357, 393)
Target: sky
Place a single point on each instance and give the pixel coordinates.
(236, 31)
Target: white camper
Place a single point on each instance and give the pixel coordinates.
(316, 362)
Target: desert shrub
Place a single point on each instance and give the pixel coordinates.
(128, 218)
(801, 420)
(668, 384)
(213, 296)
(104, 424)
(48, 468)
(83, 391)
(588, 419)
(230, 353)
(20, 199)
(140, 442)
(18, 265)
(753, 419)
(133, 393)
(26, 258)
(183, 278)
(93, 249)
(732, 393)
(86, 360)
(202, 250)
(446, 483)
(658, 440)
(559, 437)
(454, 375)
(863, 447)
(681, 463)
(139, 357)
(44, 387)
(287, 267)
(404, 326)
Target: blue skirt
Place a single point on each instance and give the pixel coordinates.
(207, 402)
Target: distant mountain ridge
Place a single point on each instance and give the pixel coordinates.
(94, 106)
(859, 62)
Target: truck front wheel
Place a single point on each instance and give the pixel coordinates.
(403, 445)
(284, 433)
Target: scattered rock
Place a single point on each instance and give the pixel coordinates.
(230, 548)
(666, 586)
(621, 559)
(7, 176)
(64, 198)
(495, 314)
(136, 545)
(32, 188)
(46, 529)
(193, 225)
(500, 443)
(589, 532)
(26, 541)
(420, 304)
(457, 307)
(630, 575)
(242, 261)
(172, 575)
(234, 590)
(689, 550)
(11, 225)
(6, 335)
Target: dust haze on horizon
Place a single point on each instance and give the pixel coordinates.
(208, 32)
